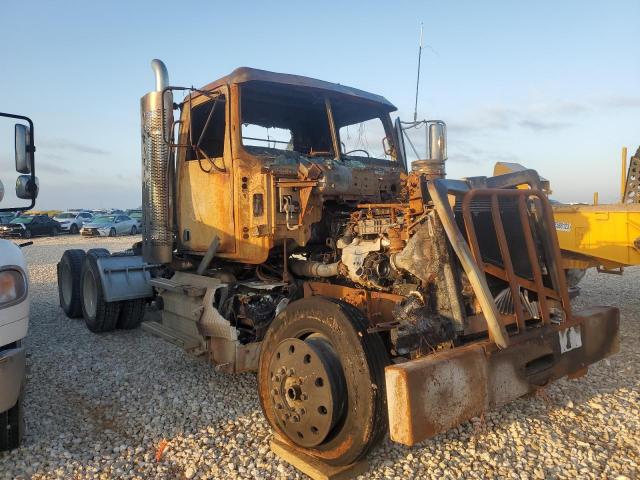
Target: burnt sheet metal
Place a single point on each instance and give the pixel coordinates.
(429, 395)
(246, 74)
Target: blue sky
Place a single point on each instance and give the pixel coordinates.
(553, 85)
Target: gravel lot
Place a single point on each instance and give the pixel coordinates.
(97, 406)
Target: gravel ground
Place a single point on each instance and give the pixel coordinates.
(98, 406)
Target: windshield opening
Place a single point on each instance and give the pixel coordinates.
(365, 139)
(284, 118)
(22, 220)
(66, 215)
(105, 219)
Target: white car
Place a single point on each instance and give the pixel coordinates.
(110, 226)
(14, 321)
(72, 222)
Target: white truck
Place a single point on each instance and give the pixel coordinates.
(14, 295)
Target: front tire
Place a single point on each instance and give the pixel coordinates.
(12, 426)
(99, 315)
(112, 232)
(134, 230)
(27, 233)
(338, 417)
(73, 230)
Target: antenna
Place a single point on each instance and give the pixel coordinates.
(415, 110)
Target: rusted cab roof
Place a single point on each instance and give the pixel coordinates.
(246, 74)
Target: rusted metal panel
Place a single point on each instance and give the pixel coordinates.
(434, 393)
(378, 306)
(245, 74)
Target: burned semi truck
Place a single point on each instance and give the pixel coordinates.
(284, 232)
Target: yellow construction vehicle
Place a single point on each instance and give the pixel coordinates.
(606, 237)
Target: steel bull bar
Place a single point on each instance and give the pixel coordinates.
(434, 393)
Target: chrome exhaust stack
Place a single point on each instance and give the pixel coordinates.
(433, 167)
(156, 115)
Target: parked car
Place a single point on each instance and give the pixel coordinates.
(72, 221)
(137, 216)
(110, 226)
(27, 226)
(6, 217)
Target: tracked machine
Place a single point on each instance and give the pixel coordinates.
(284, 232)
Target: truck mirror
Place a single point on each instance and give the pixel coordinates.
(437, 142)
(23, 148)
(401, 153)
(26, 188)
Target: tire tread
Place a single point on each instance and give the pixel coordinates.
(107, 313)
(131, 313)
(75, 257)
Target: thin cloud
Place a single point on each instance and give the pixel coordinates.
(464, 158)
(47, 167)
(539, 117)
(66, 145)
(538, 126)
(504, 119)
(618, 102)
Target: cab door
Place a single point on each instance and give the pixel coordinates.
(205, 176)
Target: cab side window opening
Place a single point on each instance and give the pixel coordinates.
(208, 125)
(259, 136)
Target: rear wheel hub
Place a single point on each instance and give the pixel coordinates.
(307, 388)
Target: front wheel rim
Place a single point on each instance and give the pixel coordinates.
(307, 389)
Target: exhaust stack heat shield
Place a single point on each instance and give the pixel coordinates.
(157, 229)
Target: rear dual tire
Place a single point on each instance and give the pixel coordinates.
(80, 293)
(99, 315)
(69, 286)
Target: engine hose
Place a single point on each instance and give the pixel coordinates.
(308, 268)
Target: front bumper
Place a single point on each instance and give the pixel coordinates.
(12, 372)
(93, 232)
(12, 233)
(432, 394)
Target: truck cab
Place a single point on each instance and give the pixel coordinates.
(14, 294)
(268, 151)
